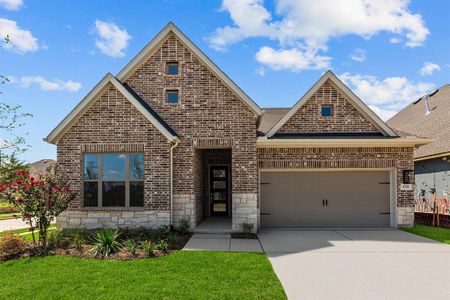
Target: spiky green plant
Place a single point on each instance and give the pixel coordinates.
(105, 242)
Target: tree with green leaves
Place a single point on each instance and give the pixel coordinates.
(11, 119)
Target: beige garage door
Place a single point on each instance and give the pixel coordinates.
(345, 199)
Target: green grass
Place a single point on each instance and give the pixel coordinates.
(28, 236)
(182, 275)
(435, 233)
(8, 215)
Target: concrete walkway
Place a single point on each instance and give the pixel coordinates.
(12, 224)
(358, 264)
(221, 242)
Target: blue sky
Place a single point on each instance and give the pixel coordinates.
(388, 51)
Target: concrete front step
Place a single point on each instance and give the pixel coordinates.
(221, 242)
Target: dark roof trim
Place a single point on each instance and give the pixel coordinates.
(149, 109)
(327, 134)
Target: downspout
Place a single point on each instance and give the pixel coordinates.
(173, 146)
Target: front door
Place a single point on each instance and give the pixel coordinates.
(218, 183)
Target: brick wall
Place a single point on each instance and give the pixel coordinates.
(208, 115)
(113, 124)
(308, 118)
(207, 109)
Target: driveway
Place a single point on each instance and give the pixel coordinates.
(358, 264)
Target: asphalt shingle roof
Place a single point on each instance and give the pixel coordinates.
(270, 117)
(436, 125)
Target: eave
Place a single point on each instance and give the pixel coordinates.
(264, 142)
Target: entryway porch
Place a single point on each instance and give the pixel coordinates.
(215, 225)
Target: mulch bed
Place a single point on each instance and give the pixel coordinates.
(247, 236)
(427, 219)
(85, 251)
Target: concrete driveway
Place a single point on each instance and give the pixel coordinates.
(358, 264)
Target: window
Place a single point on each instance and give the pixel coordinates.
(172, 96)
(172, 68)
(327, 110)
(113, 180)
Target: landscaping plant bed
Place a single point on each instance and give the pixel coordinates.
(242, 235)
(127, 244)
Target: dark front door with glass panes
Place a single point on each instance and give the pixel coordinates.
(219, 190)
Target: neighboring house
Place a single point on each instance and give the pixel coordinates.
(431, 161)
(41, 166)
(172, 137)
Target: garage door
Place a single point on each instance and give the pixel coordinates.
(325, 199)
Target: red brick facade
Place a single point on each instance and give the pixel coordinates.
(346, 118)
(213, 125)
(207, 109)
(113, 124)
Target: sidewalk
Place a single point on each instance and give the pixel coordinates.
(12, 224)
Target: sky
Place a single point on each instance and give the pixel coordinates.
(389, 52)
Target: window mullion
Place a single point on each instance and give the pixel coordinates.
(100, 181)
(127, 181)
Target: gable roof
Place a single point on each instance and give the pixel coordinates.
(142, 56)
(92, 96)
(435, 125)
(355, 100)
(270, 117)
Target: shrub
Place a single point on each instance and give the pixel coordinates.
(39, 200)
(164, 231)
(185, 225)
(105, 242)
(55, 239)
(78, 237)
(162, 246)
(11, 245)
(149, 247)
(172, 238)
(247, 227)
(131, 246)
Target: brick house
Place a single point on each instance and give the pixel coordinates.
(172, 137)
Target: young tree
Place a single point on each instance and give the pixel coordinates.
(10, 119)
(40, 200)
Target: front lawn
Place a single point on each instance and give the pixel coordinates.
(435, 233)
(182, 275)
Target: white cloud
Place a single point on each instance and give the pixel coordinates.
(11, 4)
(384, 114)
(388, 95)
(294, 59)
(319, 20)
(251, 19)
(429, 68)
(20, 40)
(261, 71)
(111, 40)
(305, 24)
(46, 85)
(358, 55)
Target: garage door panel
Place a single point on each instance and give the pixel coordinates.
(296, 199)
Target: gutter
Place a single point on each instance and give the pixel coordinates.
(173, 146)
